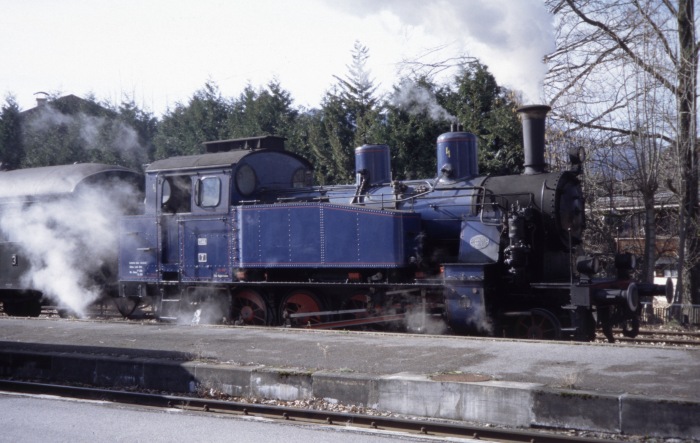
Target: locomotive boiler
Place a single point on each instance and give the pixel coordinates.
(239, 234)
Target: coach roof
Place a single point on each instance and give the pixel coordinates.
(56, 180)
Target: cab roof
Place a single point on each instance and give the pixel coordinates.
(213, 160)
(219, 159)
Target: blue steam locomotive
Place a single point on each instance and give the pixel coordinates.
(240, 235)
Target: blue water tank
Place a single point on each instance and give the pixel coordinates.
(457, 155)
(374, 161)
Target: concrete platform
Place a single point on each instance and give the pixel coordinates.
(600, 387)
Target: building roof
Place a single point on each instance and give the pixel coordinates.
(68, 104)
(632, 202)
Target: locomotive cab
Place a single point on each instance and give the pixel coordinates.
(195, 202)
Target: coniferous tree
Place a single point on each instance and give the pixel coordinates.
(11, 148)
(418, 111)
(71, 129)
(358, 95)
(488, 111)
(68, 129)
(267, 111)
(145, 125)
(183, 130)
(411, 122)
(349, 111)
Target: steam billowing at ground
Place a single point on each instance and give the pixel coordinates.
(424, 323)
(510, 37)
(70, 244)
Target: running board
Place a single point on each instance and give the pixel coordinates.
(314, 314)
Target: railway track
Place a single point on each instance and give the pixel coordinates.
(662, 338)
(415, 427)
(653, 337)
(669, 333)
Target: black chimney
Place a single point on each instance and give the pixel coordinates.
(533, 137)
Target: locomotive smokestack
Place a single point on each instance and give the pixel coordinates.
(533, 137)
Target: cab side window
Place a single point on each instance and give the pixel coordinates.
(176, 194)
(208, 192)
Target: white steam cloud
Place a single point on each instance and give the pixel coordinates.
(206, 309)
(95, 132)
(421, 322)
(510, 37)
(417, 99)
(481, 321)
(70, 243)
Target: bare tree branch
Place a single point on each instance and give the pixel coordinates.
(623, 46)
(659, 33)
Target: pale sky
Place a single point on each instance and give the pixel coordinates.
(161, 51)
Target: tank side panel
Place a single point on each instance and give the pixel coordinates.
(318, 235)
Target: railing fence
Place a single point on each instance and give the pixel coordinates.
(681, 314)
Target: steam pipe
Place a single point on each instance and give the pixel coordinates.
(533, 117)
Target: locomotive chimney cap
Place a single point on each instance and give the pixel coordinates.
(536, 111)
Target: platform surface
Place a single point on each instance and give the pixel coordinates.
(611, 368)
(612, 372)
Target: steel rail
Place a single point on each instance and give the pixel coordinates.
(668, 333)
(416, 427)
(669, 341)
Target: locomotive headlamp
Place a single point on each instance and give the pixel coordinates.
(587, 265)
(626, 262)
(624, 265)
(577, 156)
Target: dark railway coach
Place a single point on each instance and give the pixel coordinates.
(55, 226)
(240, 235)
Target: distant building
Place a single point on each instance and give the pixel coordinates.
(628, 212)
(68, 104)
